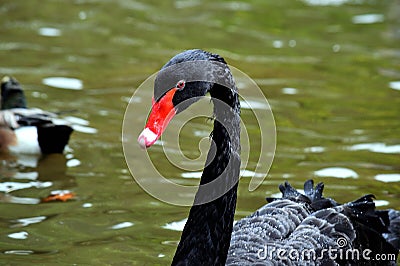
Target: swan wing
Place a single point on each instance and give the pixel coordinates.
(309, 229)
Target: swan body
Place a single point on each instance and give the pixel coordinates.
(310, 229)
(295, 222)
(28, 131)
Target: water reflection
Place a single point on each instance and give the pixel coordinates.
(326, 2)
(380, 203)
(8, 198)
(315, 149)
(8, 187)
(376, 147)
(39, 172)
(290, 91)
(395, 85)
(175, 226)
(63, 83)
(338, 172)
(122, 225)
(368, 19)
(31, 180)
(22, 222)
(387, 178)
(19, 235)
(27, 252)
(50, 32)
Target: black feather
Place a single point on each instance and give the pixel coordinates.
(12, 94)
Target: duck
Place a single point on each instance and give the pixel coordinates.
(278, 232)
(28, 130)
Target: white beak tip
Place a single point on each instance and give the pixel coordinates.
(147, 138)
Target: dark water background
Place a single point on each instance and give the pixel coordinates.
(329, 68)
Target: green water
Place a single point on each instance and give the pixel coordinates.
(340, 69)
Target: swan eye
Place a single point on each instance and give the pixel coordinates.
(181, 84)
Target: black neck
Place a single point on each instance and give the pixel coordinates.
(206, 236)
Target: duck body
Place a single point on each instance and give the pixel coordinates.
(26, 141)
(28, 131)
(293, 223)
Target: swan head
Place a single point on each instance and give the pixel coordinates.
(180, 82)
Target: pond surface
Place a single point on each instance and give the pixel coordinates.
(330, 70)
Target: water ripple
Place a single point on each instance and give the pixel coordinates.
(326, 2)
(380, 203)
(63, 83)
(18, 235)
(175, 226)
(28, 252)
(13, 186)
(22, 222)
(8, 198)
(378, 147)
(368, 19)
(49, 32)
(388, 178)
(122, 225)
(338, 172)
(395, 85)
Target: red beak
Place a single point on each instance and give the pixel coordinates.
(161, 113)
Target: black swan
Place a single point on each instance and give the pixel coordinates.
(297, 229)
(28, 131)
